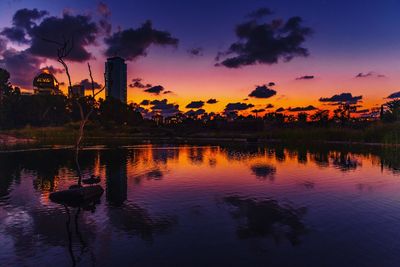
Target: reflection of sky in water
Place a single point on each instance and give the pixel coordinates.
(212, 206)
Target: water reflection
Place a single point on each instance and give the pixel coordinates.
(264, 171)
(156, 174)
(73, 229)
(267, 218)
(308, 184)
(135, 220)
(344, 161)
(160, 200)
(116, 176)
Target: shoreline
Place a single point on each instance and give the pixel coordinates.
(6, 139)
(9, 143)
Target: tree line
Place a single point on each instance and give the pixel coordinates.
(19, 110)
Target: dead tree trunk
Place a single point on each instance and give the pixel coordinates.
(63, 50)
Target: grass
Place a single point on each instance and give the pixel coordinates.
(374, 133)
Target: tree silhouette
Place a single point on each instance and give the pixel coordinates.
(321, 117)
(302, 117)
(63, 51)
(392, 111)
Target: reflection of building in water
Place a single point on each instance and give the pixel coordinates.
(116, 175)
(46, 84)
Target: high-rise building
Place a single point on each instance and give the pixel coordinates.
(116, 79)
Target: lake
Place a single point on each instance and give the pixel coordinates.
(185, 205)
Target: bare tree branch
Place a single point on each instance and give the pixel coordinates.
(63, 50)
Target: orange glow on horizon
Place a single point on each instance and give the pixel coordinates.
(190, 83)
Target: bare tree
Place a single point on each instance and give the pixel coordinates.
(63, 50)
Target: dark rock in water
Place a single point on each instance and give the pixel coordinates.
(75, 186)
(77, 196)
(92, 180)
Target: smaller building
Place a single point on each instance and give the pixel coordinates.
(46, 84)
(77, 90)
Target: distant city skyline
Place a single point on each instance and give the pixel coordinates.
(352, 47)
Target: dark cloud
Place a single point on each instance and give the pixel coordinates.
(306, 77)
(260, 13)
(257, 110)
(137, 83)
(195, 113)
(145, 102)
(212, 101)
(200, 112)
(164, 108)
(149, 88)
(79, 29)
(24, 18)
(105, 14)
(342, 98)
(280, 110)
(88, 84)
(237, 106)
(133, 43)
(271, 84)
(23, 21)
(155, 89)
(394, 95)
(32, 27)
(299, 109)
(197, 52)
(266, 43)
(370, 74)
(22, 66)
(15, 34)
(269, 106)
(262, 92)
(53, 70)
(195, 104)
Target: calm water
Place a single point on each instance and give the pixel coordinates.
(204, 206)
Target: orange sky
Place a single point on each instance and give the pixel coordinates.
(364, 40)
(194, 79)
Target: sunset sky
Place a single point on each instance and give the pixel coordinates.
(349, 39)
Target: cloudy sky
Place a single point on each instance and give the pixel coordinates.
(250, 54)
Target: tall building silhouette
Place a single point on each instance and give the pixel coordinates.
(116, 79)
